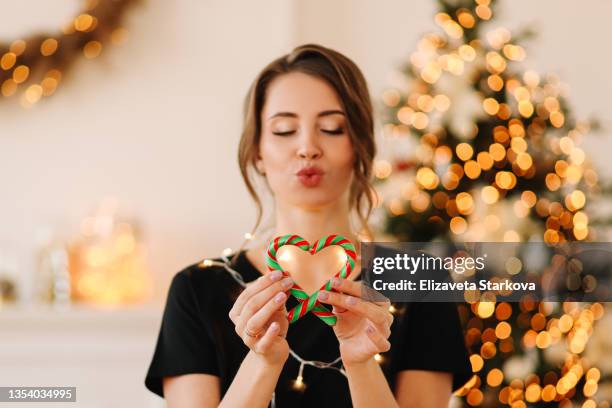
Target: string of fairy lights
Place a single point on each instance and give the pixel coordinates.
(32, 68)
(484, 131)
(298, 383)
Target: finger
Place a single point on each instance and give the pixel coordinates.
(347, 286)
(338, 309)
(281, 317)
(360, 290)
(259, 320)
(264, 343)
(255, 287)
(380, 341)
(257, 301)
(374, 313)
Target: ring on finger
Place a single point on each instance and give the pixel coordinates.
(251, 334)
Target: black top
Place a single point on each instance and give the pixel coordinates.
(197, 336)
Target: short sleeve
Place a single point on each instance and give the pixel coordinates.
(184, 346)
(435, 341)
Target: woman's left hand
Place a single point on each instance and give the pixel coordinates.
(362, 327)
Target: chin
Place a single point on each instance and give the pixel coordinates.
(314, 200)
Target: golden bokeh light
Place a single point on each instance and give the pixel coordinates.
(495, 377)
(458, 225)
(495, 82)
(472, 169)
(495, 62)
(9, 87)
(427, 178)
(18, 47)
(404, 115)
(503, 330)
(391, 97)
(48, 47)
(489, 194)
(553, 182)
(477, 362)
(33, 93)
(484, 12)
(442, 102)
(484, 160)
(497, 151)
(505, 179)
(524, 161)
(443, 155)
(467, 52)
(8, 60)
(465, 203)
(557, 119)
(490, 106)
(464, 151)
(525, 108)
(474, 397)
(532, 393)
(382, 169)
(21, 73)
(84, 22)
(529, 198)
(92, 49)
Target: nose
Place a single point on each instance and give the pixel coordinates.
(309, 148)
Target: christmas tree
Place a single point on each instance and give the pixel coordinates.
(477, 148)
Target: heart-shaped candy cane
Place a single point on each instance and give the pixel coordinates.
(307, 302)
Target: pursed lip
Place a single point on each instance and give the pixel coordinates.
(309, 171)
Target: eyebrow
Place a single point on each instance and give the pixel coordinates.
(293, 115)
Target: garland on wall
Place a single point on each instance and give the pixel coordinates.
(33, 67)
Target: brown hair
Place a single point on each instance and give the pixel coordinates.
(348, 81)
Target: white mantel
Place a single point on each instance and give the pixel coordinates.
(103, 352)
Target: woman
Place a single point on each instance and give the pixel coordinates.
(308, 132)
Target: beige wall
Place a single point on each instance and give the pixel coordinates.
(156, 121)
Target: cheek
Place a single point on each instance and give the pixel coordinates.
(344, 156)
(274, 155)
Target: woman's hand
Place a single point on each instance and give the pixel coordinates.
(260, 317)
(362, 327)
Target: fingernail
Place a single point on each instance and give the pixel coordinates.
(287, 283)
(323, 295)
(276, 275)
(336, 282)
(351, 300)
(279, 297)
(370, 329)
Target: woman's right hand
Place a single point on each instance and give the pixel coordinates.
(260, 317)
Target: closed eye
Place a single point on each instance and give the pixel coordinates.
(288, 132)
(338, 131)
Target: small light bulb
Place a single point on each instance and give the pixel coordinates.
(298, 384)
(248, 235)
(392, 309)
(377, 357)
(206, 263)
(227, 251)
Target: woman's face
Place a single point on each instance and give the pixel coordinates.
(304, 125)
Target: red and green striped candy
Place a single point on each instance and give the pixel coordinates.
(309, 303)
